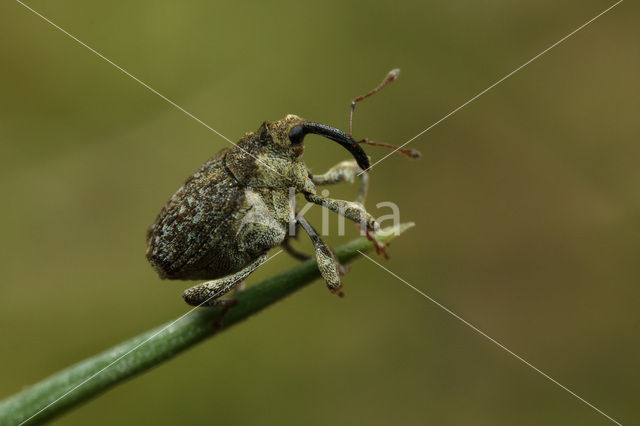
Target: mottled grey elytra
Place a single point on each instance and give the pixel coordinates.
(220, 224)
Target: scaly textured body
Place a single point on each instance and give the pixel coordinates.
(188, 241)
(236, 207)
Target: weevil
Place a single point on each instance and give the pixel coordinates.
(223, 220)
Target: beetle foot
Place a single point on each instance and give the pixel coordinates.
(337, 291)
(381, 248)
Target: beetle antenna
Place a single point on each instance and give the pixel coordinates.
(392, 75)
(412, 153)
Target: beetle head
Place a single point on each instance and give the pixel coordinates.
(289, 133)
(271, 156)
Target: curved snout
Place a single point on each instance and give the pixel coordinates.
(342, 138)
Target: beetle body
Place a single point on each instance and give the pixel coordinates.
(221, 223)
(236, 207)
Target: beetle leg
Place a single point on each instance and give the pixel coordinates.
(349, 209)
(345, 171)
(286, 245)
(327, 262)
(207, 294)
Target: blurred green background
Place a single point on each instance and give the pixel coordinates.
(526, 204)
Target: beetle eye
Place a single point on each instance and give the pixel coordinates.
(297, 134)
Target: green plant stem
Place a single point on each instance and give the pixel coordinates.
(76, 384)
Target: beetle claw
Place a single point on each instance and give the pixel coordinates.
(338, 292)
(381, 248)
